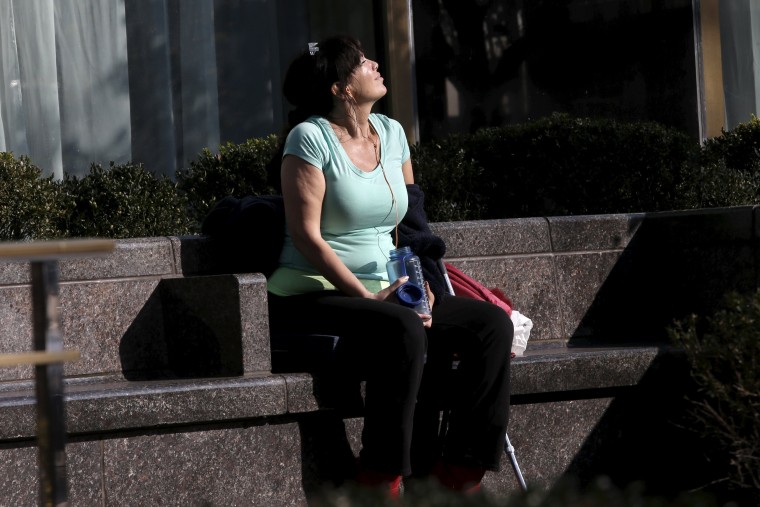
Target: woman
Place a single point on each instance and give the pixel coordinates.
(344, 172)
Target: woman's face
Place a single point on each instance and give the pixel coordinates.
(366, 83)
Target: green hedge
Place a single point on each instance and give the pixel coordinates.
(557, 165)
(738, 148)
(238, 169)
(724, 353)
(123, 201)
(453, 181)
(31, 206)
(563, 166)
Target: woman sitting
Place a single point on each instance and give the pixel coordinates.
(344, 173)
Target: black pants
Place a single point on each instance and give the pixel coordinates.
(404, 365)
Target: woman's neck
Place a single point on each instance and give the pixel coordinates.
(355, 123)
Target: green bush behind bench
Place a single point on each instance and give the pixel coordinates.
(724, 353)
(556, 165)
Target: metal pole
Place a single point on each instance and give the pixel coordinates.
(51, 430)
(511, 453)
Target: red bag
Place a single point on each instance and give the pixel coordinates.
(466, 286)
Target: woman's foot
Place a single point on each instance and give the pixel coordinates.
(385, 482)
(458, 477)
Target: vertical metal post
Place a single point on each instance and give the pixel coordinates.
(513, 459)
(51, 429)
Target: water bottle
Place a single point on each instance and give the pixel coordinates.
(412, 293)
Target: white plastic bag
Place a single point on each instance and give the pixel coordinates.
(522, 325)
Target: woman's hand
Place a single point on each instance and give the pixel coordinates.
(427, 320)
(431, 296)
(389, 294)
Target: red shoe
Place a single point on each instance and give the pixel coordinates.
(385, 482)
(457, 477)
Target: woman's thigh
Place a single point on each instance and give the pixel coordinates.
(370, 331)
(333, 312)
(463, 324)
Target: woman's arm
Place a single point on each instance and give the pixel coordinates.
(303, 190)
(406, 169)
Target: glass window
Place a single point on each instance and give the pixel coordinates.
(485, 63)
(153, 81)
(740, 52)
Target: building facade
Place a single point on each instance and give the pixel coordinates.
(156, 81)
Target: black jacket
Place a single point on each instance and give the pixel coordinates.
(414, 232)
(248, 233)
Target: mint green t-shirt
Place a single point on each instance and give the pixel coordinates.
(358, 212)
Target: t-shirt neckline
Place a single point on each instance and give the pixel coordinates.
(325, 123)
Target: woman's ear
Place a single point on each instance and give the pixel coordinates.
(339, 91)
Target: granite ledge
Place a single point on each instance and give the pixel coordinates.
(575, 369)
(538, 372)
(498, 237)
(93, 407)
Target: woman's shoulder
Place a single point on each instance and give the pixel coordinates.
(384, 120)
(310, 132)
(307, 140)
(386, 123)
(309, 127)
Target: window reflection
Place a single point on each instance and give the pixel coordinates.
(508, 61)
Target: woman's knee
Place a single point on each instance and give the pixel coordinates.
(412, 334)
(498, 329)
(399, 329)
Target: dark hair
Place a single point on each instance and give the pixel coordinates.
(307, 86)
(309, 78)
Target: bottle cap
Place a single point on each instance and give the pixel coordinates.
(409, 295)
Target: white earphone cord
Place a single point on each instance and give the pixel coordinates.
(385, 177)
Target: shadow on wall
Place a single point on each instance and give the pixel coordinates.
(644, 437)
(187, 329)
(327, 458)
(674, 265)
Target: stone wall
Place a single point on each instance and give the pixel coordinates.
(174, 401)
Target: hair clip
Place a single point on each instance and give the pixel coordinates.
(313, 48)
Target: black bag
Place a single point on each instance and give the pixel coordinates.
(248, 233)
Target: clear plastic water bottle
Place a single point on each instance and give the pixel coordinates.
(412, 294)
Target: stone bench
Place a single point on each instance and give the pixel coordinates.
(174, 400)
